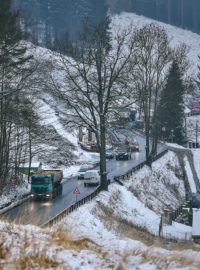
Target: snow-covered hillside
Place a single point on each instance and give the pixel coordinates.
(176, 35)
(111, 232)
(118, 229)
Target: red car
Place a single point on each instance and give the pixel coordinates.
(134, 145)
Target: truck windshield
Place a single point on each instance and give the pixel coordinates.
(40, 180)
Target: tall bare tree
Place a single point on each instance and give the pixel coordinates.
(94, 83)
(152, 57)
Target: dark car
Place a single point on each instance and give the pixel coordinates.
(109, 154)
(123, 153)
(139, 124)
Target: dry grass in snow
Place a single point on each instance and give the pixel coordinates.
(118, 230)
(89, 239)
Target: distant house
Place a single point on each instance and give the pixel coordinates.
(35, 166)
(194, 106)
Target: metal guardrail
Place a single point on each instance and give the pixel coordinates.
(71, 208)
(89, 197)
(138, 167)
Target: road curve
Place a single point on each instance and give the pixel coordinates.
(37, 212)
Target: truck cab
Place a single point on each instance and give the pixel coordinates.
(46, 184)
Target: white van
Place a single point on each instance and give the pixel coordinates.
(92, 177)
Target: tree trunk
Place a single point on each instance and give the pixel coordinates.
(30, 155)
(104, 183)
(147, 148)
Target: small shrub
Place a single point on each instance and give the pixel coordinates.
(66, 241)
(3, 251)
(36, 260)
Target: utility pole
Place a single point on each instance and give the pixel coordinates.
(197, 130)
(185, 128)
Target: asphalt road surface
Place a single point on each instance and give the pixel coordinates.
(39, 212)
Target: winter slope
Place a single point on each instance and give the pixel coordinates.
(102, 244)
(49, 118)
(103, 234)
(176, 35)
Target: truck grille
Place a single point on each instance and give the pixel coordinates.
(40, 190)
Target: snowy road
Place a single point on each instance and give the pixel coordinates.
(37, 212)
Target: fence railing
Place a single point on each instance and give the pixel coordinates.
(138, 167)
(71, 208)
(89, 197)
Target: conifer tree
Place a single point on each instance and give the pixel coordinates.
(171, 109)
(198, 75)
(12, 56)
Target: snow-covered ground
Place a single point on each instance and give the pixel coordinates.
(49, 118)
(196, 154)
(148, 185)
(176, 35)
(13, 195)
(118, 229)
(190, 175)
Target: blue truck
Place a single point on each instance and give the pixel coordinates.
(46, 184)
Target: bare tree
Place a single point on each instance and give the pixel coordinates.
(94, 83)
(152, 57)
